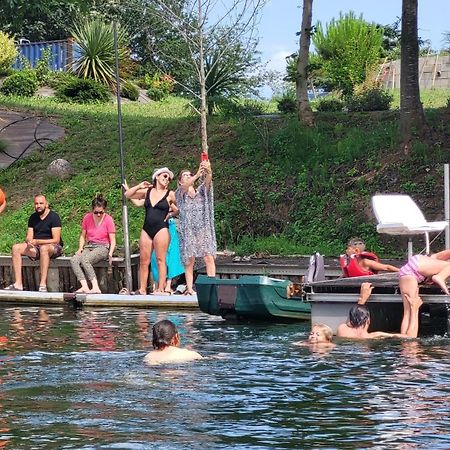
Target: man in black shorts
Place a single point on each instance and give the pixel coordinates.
(43, 242)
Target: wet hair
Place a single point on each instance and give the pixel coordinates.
(99, 201)
(358, 316)
(327, 331)
(163, 333)
(357, 243)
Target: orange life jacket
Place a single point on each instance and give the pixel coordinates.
(351, 268)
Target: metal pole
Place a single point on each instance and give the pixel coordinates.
(447, 203)
(126, 242)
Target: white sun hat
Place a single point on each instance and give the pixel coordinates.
(160, 171)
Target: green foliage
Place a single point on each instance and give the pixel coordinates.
(373, 99)
(43, 66)
(287, 103)
(23, 83)
(159, 86)
(57, 79)
(3, 146)
(8, 53)
(330, 104)
(129, 90)
(234, 108)
(83, 91)
(349, 48)
(97, 60)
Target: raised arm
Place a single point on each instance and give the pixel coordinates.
(205, 166)
(377, 266)
(364, 293)
(138, 192)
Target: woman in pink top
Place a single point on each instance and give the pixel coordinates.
(97, 243)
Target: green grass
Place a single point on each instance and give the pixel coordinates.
(431, 98)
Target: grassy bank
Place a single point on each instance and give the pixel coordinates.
(279, 187)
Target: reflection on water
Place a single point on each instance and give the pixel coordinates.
(76, 379)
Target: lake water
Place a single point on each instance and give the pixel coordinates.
(76, 380)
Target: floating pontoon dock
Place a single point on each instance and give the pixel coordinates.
(331, 301)
(98, 300)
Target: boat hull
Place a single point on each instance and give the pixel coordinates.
(250, 297)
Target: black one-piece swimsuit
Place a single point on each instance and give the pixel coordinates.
(155, 215)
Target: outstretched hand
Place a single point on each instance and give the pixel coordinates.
(365, 292)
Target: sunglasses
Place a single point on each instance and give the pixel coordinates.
(165, 175)
(99, 213)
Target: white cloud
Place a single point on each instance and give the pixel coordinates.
(277, 60)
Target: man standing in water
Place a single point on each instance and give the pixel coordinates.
(358, 321)
(43, 241)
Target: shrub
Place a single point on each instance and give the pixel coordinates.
(43, 66)
(56, 80)
(287, 104)
(129, 90)
(448, 103)
(373, 99)
(83, 91)
(239, 107)
(23, 83)
(97, 59)
(330, 104)
(8, 53)
(158, 86)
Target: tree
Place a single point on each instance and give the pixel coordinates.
(411, 111)
(210, 32)
(350, 48)
(305, 113)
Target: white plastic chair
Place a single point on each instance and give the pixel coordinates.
(399, 215)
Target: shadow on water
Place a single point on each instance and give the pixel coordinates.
(77, 380)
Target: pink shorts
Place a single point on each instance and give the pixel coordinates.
(411, 269)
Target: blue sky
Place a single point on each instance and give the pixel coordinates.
(281, 19)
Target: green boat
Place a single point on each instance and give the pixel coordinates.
(252, 297)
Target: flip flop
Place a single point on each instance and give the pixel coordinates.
(188, 293)
(11, 287)
(42, 289)
(124, 291)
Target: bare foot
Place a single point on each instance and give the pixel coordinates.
(95, 291)
(441, 283)
(82, 291)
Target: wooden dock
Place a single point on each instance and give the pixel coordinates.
(98, 300)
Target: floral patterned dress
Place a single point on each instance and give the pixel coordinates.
(196, 232)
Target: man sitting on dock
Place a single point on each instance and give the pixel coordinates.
(358, 263)
(43, 241)
(358, 321)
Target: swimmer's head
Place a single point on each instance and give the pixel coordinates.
(165, 333)
(359, 316)
(320, 333)
(355, 246)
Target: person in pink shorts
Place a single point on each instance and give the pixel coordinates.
(97, 243)
(418, 268)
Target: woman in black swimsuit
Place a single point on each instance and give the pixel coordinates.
(158, 201)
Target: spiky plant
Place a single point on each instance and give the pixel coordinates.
(96, 43)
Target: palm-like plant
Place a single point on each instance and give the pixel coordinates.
(96, 42)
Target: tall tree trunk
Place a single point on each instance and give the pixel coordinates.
(305, 113)
(202, 81)
(411, 111)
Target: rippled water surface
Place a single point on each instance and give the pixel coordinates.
(77, 380)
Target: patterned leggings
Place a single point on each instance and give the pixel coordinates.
(88, 257)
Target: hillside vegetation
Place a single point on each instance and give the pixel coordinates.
(279, 187)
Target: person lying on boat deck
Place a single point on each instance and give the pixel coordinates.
(358, 263)
(358, 321)
(418, 268)
(166, 343)
(42, 242)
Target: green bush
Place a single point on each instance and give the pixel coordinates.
(57, 79)
(239, 107)
(158, 86)
(129, 90)
(330, 104)
(374, 99)
(22, 83)
(287, 104)
(448, 103)
(83, 91)
(8, 53)
(43, 66)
